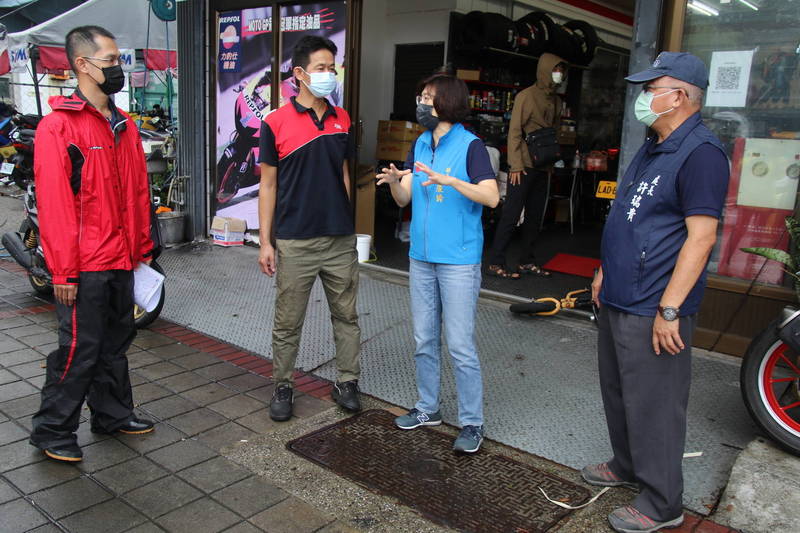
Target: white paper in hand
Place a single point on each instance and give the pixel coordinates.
(147, 287)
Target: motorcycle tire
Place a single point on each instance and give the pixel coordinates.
(42, 287)
(530, 308)
(587, 40)
(537, 28)
(769, 379)
(144, 318)
(490, 30)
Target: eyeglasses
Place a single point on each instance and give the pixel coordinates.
(425, 98)
(114, 61)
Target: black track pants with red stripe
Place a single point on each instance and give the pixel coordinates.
(90, 362)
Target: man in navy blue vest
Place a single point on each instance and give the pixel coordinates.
(656, 245)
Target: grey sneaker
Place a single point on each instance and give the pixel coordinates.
(601, 475)
(416, 418)
(469, 440)
(628, 520)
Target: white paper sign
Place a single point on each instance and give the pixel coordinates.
(729, 79)
(147, 287)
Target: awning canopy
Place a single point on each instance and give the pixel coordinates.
(126, 19)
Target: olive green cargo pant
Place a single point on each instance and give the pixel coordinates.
(300, 261)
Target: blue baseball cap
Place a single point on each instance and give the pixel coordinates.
(678, 65)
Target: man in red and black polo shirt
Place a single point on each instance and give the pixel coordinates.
(305, 194)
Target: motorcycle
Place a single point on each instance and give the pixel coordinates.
(25, 245)
(770, 380)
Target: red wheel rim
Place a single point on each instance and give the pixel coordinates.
(768, 380)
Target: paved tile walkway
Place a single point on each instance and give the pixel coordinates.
(205, 394)
(173, 479)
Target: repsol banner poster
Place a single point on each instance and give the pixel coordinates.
(244, 88)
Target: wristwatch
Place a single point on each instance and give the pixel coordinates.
(669, 313)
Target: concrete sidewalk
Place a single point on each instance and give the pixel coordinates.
(216, 462)
(542, 394)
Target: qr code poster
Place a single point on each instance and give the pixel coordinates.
(728, 79)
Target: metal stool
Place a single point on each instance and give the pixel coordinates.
(573, 174)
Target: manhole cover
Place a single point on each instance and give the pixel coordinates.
(484, 492)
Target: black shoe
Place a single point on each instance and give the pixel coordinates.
(68, 453)
(280, 408)
(346, 395)
(135, 426)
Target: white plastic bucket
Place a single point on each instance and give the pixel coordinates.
(362, 246)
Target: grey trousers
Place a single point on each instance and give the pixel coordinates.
(645, 398)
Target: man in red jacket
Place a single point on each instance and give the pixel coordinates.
(94, 215)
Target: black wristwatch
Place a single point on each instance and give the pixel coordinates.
(669, 313)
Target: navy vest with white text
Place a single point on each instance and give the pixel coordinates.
(646, 226)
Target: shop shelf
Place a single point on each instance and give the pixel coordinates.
(492, 84)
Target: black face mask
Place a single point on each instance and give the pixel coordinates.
(115, 80)
(425, 117)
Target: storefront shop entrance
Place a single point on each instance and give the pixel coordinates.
(475, 47)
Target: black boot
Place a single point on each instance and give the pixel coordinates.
(280, 408)
(346, 395)
(68, 453)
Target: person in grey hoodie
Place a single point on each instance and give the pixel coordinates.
(535, 107)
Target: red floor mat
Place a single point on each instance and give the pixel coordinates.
(573, 264)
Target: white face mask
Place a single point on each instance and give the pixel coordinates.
(322, 83)
(558, 77)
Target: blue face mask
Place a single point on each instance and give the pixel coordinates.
(322, 83)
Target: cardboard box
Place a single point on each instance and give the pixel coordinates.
(398, 130)
(468, 75)
(228, 231)
(568, 138)
(567, 132)
(365, 200)
(392, 150)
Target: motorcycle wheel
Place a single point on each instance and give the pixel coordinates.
(140, 316)
(533, 307)
(770, 386)
(39, 285)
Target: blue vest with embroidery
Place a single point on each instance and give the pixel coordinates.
(646, 226)
(445, 224)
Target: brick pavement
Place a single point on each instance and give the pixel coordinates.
(204, 394)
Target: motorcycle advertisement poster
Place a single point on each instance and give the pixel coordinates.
(244, 88)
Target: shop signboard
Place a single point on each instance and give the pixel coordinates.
(244, 89)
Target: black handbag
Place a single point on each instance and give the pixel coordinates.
(543, 147)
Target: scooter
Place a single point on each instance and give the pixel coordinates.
(25, 245)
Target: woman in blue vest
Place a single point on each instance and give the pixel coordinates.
(451, 181)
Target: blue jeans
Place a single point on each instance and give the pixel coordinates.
(448, 292)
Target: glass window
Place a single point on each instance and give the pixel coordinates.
(753, 104)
